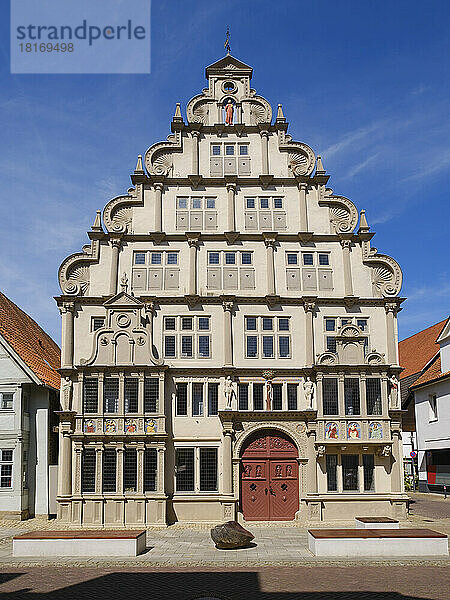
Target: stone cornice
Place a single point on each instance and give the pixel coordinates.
(222, 181)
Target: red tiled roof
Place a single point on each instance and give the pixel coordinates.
(416, 351)
(432, 373)
(31, 343)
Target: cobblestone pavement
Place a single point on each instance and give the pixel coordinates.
(431, 506)
(300, 583)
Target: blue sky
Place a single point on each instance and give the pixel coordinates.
(364, 83)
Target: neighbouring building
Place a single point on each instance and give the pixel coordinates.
(229, 344)
(29, 384)
(425, 385)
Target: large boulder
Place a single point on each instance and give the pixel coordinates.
(231, 535)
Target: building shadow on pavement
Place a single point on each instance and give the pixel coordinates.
(138, 585)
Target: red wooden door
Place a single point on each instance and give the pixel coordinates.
(269, 478)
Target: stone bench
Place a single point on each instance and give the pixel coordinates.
(376, 523)
(80, 543)
(377, 542)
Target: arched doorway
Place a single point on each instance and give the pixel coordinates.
(269, 477)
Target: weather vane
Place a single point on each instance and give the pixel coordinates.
(227, 41)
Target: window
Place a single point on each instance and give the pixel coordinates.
(184, 469)
(131, 394)
(278, 202)
(109, 469)
(181, 400)
(6, 467)
(228, 270)
(230, 258)
(292, 396)
(140, 258)
(331, 344)
(194, 345)
(97, 323)
(156, 258)
(258, 396)
(270, 343)
(111, 395)
(196, 213)
(213, 258)
(150, 469)
(350, 472)
(373, 396)
(368, 469)
(186, 346)
(208, 469)
(196, 202)
(315, 272)
(362, 324)
(243, 396)
(250, 202)
(213, 399)
(229, 150)
(351, 396)
(197, 399)
(330, 324)
(172, 258)
(6, 400)
(196, 469)
(277, 397)
(246, 258)
(90, 395)
(324, 259)
(243, 150)
(264, 202)
(308, 259)
(130, 470)
(330, 396)
(155, 270)
(229, 158)
(265, 213)
(88, 468)
(292, 258)
(203, 346)
(331, 466)
(170, 323)
(151, 394)
(169, 346)
(433, 412)
(215, 150)
(203, 323)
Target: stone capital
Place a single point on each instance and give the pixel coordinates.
(309, 304)
(193, 239)
(391, 307)
(270, 239)
(67, 307)
(116, 242)
(346, 244)
(158, 185)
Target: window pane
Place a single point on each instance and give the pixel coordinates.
(196, 202)
(216, 150)
(186, 346)
(243, 396)
(292, 258)
(250, 323)
(284, 349)
(330, 324)
(6, 455)
(369, 479)
(278, 203)
(229, 150)
(283, 324)
(6, 476)
(109, 470)
(151, 394)
(331, 462)
(252, 346)
(243, 150)
(267, 324)
(203, 323)
(246, 258)
(267, 346)
(97, 323)
(350, 472)
(308, 259)
(130, 470)
(250, 202)
(230, 258)
(351, 396)
(181, 399)
(150, 468)
(324, 259)
(197, 399)
(184, 459)
(111, 394)
(156, 258)
(182, 202)
(90, 395)
(213, 399)
(210, 203)
(186, 323)
(7, 401)
(264, 202)
(292, 396)
(362, 324)
(213, 258)
(88, 471)
(330, 396)
(277, 396)
(208, 469)
(169, 323)
(169, 346)
(131, 394)
(331, 344)
(172, 258)
(373, 396)
(139, 258)
(258, 396)
(203, 346)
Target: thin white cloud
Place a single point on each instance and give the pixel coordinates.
(361, 166)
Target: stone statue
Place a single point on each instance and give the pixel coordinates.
(229, 108)
(393, 382)
(66, 393)
(309, 389)
(229, 392)
(269, 394)
(124, 282)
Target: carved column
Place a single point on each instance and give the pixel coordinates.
(348, 283)
(227, 333)
(227, 467)
(98, 468)
(264, 152)
(309, 307)
(158, 187)
(302, 187)
(120, 464)
(140, 468)
(65, 453)
(193, 242)
(269, 241)
(160, 471)
(397, 466)
(115, 249)
(67, 312)
(341, 394)
(195, 163)
(312, 464)
(231, 209)
(391, 310)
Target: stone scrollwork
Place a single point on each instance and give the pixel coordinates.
(197, 110)
(375, 358)
(260, 110)
(386, 273)
(118, 213)
(159, 159)
(327, 358)
(343, 213)
(301, 158)
(73, 273)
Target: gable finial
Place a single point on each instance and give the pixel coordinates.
(139, 168)
(320, 170)
(280, 114)
(177, 114)
(227, 41)
(363, 225)
(97, 225)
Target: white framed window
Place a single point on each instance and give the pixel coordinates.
(196, 213)
(198, 399)
(196, 469)
(229, 158)
(267, 337)
(433, 409)
(332, 324)
(350, 473)
(187, 336)
(265, 213)
(230, 270)
(155, 270)
(6, 400)
(6, 468)
(97, 323)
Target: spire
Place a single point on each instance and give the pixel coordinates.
(363, 225)
(320, 169)
(227, 41)
(139, 168)
(97, 225)
(280, 115)
(177, 118)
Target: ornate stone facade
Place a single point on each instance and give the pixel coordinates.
(228, 298)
